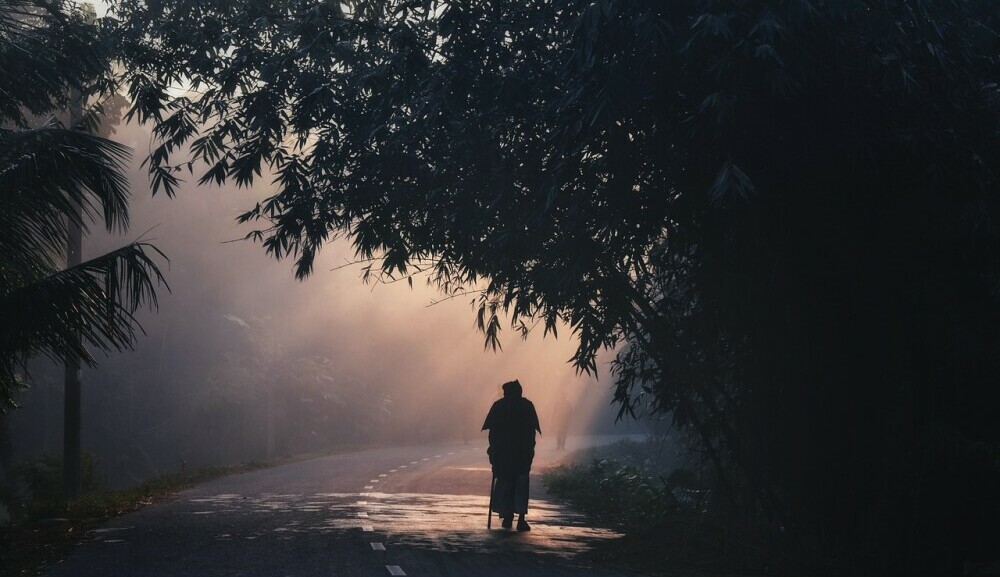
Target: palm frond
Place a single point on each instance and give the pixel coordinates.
(93, 303)
(45, 175)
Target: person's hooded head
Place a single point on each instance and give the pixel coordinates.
(512, 388)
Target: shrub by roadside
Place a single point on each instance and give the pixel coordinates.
(667, 513)
(611, 491)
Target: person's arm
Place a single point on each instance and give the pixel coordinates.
(489, 449)
(490, 425)
(534, 417)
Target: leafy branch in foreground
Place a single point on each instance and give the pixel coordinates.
(95, 301)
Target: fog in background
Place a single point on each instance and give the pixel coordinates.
(242, 362)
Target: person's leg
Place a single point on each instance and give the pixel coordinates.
(521, 501)
(503, 501)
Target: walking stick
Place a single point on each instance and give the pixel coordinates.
(493, 485)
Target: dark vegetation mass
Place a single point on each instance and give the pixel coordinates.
(659, 497)
(56, 170)
(782, 216)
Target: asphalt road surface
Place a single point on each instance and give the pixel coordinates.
(418, 510)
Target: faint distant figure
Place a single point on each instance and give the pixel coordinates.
(512, 422)
(561, 416)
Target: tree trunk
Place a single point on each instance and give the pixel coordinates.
(71, 383)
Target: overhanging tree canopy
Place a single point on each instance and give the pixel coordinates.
(787, 211)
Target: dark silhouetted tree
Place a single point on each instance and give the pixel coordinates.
(53, 179)
(784, 213)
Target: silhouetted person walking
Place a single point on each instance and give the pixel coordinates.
(512, 422)
(561, 416)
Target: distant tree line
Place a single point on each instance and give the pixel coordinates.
(231, 396)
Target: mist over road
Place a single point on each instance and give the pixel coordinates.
(415, 510)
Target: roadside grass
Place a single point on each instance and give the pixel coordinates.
(666, 513)
(45, 529)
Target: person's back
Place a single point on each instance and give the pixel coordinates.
(512, 436)
(512, 422)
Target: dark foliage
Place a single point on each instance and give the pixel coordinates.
(785, 211)
(52, 176)
(666, 514)
(42, 476)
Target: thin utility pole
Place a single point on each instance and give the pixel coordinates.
(72, 419)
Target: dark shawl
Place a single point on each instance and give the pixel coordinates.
(512, 422)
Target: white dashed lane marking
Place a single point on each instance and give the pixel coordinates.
(376, 546)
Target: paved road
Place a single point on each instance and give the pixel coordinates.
(417, 510)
